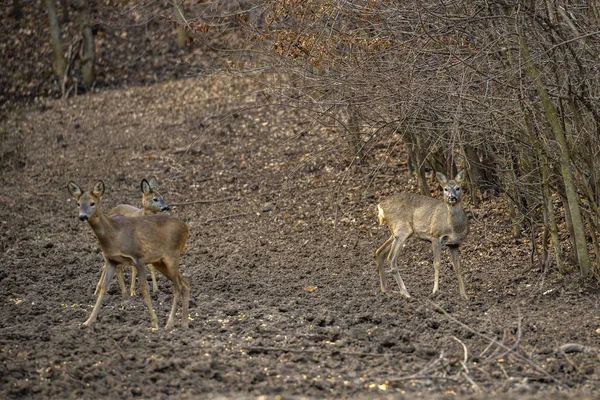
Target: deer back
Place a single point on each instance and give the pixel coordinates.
(126, 210)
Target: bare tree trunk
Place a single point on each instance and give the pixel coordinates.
(59, 57)
(549, 212)
(17, 13)
(182, 30)
(583, 256)
(413, 147)
(356, 144)
(88, 58)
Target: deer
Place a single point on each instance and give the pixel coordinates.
(152, 203)
(149, 239)
(443, 223)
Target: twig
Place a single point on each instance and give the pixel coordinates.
(516, 344)
(466, 353)
(419, 377)
(187, 203)
(225, 217)
(517, 355)
(421, 373)
(472, 382)
(576, 348)
(291, 350)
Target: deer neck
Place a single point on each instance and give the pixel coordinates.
(456, 215)
(102, 227)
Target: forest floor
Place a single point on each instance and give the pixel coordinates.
(285, 291)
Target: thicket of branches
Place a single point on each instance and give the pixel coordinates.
(507, 89)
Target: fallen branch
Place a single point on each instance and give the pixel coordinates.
(187, 203)
(514, 352)
(307, 351)
(418, 377)
(225, 217)
(576, 348)
(422, 372)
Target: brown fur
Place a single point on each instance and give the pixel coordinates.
(441, 223)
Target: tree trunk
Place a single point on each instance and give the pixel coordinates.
(414, 147)
(356, 144)
(17, 13)
(182, 30)
(59, 57)
(88, 57)
(583, 256)
(549, 211)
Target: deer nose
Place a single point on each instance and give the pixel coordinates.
(165, 208)
(452, 199)
(83, 217)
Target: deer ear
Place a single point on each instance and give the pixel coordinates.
(460, 176)
(153, 182)
(75, 190)
(145, 187)
(98, 190)
(441, 178)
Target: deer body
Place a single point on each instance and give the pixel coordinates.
(441, 223)
(152, 203)
(136, 241)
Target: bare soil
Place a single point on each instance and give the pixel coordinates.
(285, 292)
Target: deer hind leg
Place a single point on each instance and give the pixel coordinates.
(170, 269)
(103, 285)
(141, 272)
(400, 237)
(153, 275)
(436, 247)
(132, 286)
(380, 256)
(119, 270)
(186, 302)
(457, 269)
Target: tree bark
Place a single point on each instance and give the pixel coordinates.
(88, 57)
(59, 64)
(182, 30)
(583, 256)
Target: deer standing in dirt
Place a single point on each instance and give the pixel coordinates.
(136, 241)
(439, 222)
(152, 203)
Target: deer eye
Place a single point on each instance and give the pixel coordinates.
(78, 204)
(155, 200)
(92, 204)
(457, 189)
(445, 189)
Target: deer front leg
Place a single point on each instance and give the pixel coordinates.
(107, 274)
(457, 269)
(380, 256)
(119, 270)
(141, 272)
(436, 247)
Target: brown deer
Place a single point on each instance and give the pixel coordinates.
(153, 203)
(136, 241)
(441, 223)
